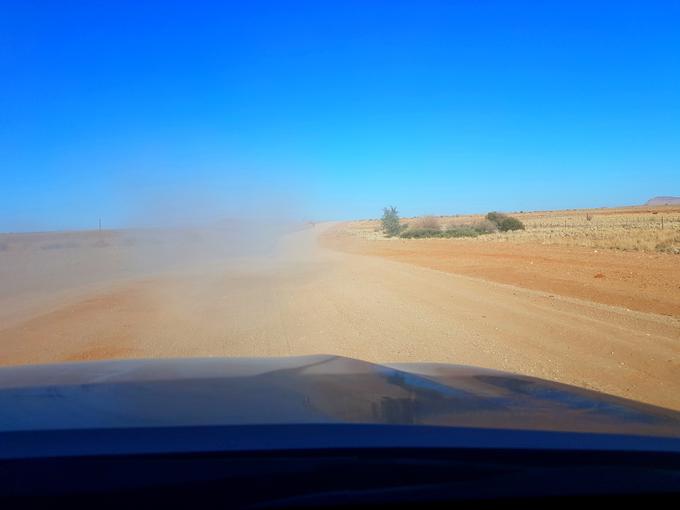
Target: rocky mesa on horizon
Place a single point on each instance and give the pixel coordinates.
(663, 201)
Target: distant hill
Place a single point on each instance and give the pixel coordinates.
(663, 201)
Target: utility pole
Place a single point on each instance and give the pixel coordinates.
(100, 224)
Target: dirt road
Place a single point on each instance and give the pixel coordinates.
(310, 300)
(646, 282)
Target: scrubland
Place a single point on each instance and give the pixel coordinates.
(644, 228)
(627, 257)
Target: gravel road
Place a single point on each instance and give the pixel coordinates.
(306, 299)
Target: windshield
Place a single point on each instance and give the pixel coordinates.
(480, 184)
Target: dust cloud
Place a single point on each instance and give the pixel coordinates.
(174, 236)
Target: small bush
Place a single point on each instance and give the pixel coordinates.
(505, 222)
(426, 222)
(510, 223)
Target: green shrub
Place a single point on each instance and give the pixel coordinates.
(452, 231)
(463, 231)
(390, 221)
(510, 223)
(419, 233)
(505, 222)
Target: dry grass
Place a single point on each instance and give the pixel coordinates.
(425, 222)
(625, 228)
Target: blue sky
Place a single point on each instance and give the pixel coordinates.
(331, 110)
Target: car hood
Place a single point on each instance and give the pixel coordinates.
(307, 390)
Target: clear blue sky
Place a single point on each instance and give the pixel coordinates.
(333, 109)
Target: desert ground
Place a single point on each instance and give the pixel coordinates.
(528, 307)
(625, 257)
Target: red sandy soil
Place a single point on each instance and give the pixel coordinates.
(647, 282)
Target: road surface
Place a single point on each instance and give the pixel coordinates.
(306, 299)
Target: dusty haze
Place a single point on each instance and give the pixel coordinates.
(39, 270)
(283, 290)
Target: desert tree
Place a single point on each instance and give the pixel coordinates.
(390, 221)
